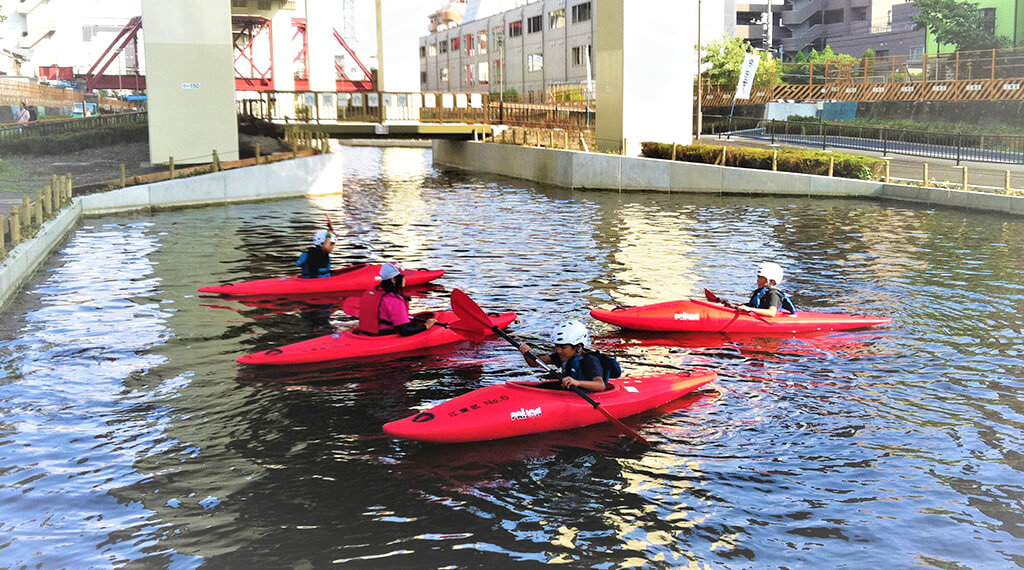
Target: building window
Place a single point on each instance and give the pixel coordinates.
(579, 55)
(432, 49)
(534, 24)
(443, 75)
(455, 44)
(423, 78)
(442, 46)
(534, 62)
(469, 75)
(263, 5)
(481, 42)
(988, 20)
(469, 44)
(423, 51)
(556, 19)
(482, 73)
(581, 12)
(860, 14)
(515, 29)
(833, 16)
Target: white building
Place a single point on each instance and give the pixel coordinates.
(544, 44)
(65, 33)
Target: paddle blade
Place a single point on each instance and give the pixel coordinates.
(710, 296)
(469, 311)
(468, 330)
(350, 306)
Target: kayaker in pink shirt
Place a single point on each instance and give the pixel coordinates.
(385, 310)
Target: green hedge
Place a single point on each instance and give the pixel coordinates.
(789, 160)
(75, 140)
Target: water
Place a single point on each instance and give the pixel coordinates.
(129, 435)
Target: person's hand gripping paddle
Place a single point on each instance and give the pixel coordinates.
(469, 312)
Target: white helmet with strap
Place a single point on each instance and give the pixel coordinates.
(571, 332)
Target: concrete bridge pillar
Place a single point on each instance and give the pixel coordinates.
(190, 81)
(398, 60)
(284, 66)
(646, 60)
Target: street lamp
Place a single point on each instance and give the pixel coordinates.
(700, 82)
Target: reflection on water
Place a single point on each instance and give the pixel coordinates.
(129, 434)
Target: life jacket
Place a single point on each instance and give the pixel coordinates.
(369, 314)
(609, 366)
(305, 260)
(784, 304)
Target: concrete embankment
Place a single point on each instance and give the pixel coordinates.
(316, 175)
(574, 169)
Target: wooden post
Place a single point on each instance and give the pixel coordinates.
(583, 144)
(26, 212)
(70, 187)
(170, 167)
(775, 160)
(551, 139)
(721, 159)
(38, 212)
(216, 161)
(45, 197)
(257, 153)
(566, 137)
(673, 150)
(1006, 187)
(924, 174)
(14, 224)
(831, 165)
(3, 233)
(887, 172)
(124, 181)
(964, 183)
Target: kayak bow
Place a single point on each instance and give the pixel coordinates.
(352, 278)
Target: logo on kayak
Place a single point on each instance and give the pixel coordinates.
(686, 316)
(523, 413)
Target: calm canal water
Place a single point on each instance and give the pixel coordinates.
(129, 435)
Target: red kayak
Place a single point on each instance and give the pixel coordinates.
(698, 315)
(352, 278)
(521, 408)
(349, 344)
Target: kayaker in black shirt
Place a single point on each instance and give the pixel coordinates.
(766, 300)
(582, 368)
(316, 261)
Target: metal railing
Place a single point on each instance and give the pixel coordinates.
(48, 127)
(1007, 149)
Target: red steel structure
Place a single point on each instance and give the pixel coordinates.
(251, 34)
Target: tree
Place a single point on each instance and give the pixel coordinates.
(723, 59)
(957, 23)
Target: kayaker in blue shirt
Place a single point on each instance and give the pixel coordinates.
(579, 367)
(766, 300)
(316, 261)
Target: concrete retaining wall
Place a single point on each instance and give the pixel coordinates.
(575, 169)
(315, 175)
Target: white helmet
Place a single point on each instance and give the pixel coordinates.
(571, 332)
(770, 271)
(321, 236)
(388, 271)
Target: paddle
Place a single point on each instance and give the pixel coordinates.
(711, 296)
(351, 305)
(330, 226)
(469, 311)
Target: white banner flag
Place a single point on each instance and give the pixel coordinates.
(746, 82)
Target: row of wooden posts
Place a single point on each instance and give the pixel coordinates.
(25, 220)
(297, 139)
(523, 136)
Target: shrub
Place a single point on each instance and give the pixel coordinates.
(75, 140)
(789, 160)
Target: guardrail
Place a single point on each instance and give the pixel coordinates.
(1006, 149)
